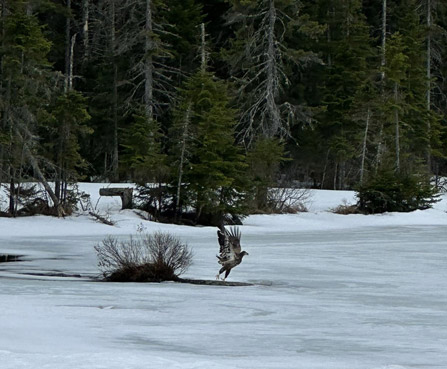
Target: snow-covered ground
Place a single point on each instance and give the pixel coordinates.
(329, 292)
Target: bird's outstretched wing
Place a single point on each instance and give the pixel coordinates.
(234, 237)
(229, 242)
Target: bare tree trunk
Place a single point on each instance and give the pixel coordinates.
(429, 26)
(85, 27)
(342, 175)
(272, 75)
(18, 178)
(365, 139)
(8, 128)
(71, 61)
(382, 78)
(69, 55)
(335, 175)
(199, 210)
(65, 190)
(105, 162)
(149, 66)
(325, 169)
(203, 55)
(29, 9)
(3, 119)
(383, 51)
(182, 158)
(57, 182)
(2, 158)
(11, 192)
(396, 122)
(67, 45)
(115, 158)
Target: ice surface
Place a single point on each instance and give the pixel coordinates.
(330, 292)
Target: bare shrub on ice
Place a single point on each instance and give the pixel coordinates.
(143, 258)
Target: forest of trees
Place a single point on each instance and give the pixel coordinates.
(213, 102)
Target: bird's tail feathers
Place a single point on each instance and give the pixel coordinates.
(221, 259)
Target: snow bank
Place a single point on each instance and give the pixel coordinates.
(319, 217)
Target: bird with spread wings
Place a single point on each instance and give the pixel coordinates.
(230, 253)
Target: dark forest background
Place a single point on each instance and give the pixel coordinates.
(208, 104)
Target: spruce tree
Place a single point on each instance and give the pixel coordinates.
(348, 52)
(264, 160)
(146, 162)
(395, 105)
(144, 152)
(62, 127)
(424, 123)
(184, 16)
(25, 76)
(414, 126)
(209, 162)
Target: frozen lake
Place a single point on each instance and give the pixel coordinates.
(366, 297)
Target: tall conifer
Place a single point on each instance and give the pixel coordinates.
(211, 165)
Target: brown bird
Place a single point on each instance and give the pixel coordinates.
(230, 253)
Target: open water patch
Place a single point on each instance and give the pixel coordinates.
(7, 258)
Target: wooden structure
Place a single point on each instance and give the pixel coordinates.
(125, 193)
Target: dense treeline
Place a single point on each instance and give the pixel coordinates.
(215, 101)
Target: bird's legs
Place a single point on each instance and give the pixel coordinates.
(220, 272)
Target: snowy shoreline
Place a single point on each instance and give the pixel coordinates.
(319, 217)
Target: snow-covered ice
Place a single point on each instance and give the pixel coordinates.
(329, 292)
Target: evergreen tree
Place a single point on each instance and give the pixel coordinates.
(144, 154)
(185, 17)
(25, 76)
(211, 165)
(264, 161)
(147, 163)
(414, 126)
(105, 67)
(436, 67)
(349, 53)
(395, 104)
(63, 126)
(419, 119)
